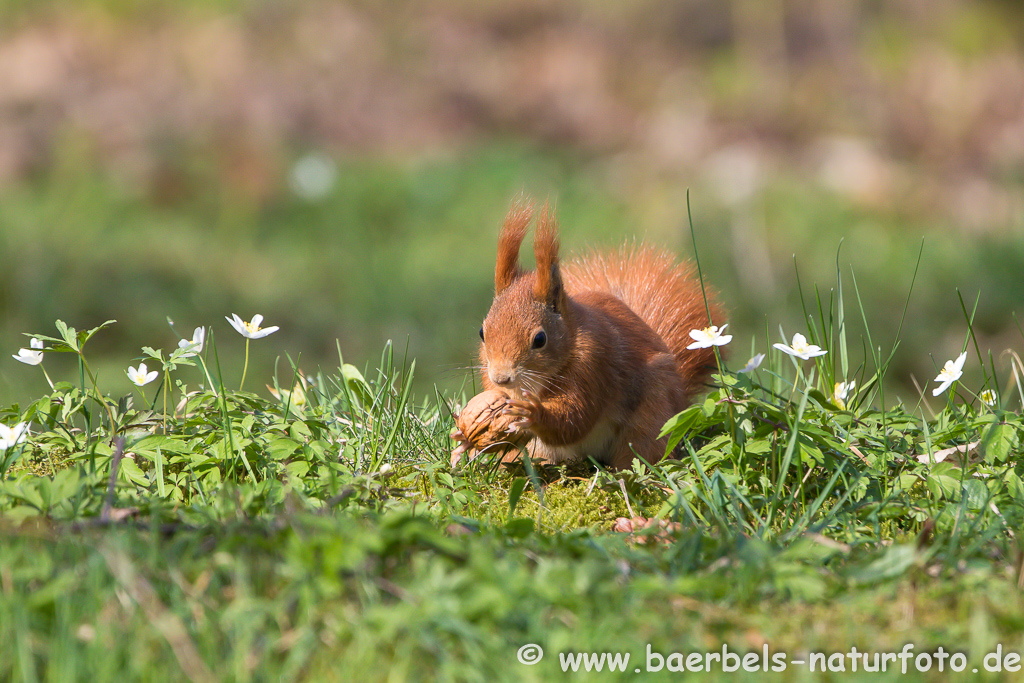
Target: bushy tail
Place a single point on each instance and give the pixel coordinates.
(665, 293)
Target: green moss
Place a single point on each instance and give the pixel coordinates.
(42, 464)
(569, 498)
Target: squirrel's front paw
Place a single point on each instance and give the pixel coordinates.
(527, 411)
(463, 446)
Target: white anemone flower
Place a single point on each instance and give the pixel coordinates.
(988, 397)
(193, 346)
(709, 336)
(32, 356)
(951, 372)
(800, 348)
(753, 364)
(251, 329)
(841, 391)
(12, 436)
(140, 377)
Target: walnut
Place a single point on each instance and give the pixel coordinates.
(482, 425)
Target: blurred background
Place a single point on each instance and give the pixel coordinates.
(342, 167)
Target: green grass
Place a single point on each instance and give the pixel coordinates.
(322, 535)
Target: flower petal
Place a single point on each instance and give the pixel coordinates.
(237, 323)
(753, 363)
(959, 363)
(29, 356)
(264, 332)
(787, 349)
(12, 436)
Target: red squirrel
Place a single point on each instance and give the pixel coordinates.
(592, 353)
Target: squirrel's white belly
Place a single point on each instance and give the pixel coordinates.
(596, 444)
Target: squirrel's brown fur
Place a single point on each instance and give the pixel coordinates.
(593, 353)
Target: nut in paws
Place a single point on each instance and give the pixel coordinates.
(485, 423)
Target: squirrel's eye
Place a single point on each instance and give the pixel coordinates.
(481, 334)
(539, 340)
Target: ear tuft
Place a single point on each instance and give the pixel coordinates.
(548, 285)
(513, 230)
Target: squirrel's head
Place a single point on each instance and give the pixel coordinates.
(526, 335)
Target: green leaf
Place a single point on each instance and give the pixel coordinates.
(680, 425)
(1015, 487)
(131, 472)
(148, 446)
(282, 447)
(515, 492)
(903, 484)
(68, 335)
(758, 447)
(809, 453)
(297, 469)
(155, 354)
(943, 486)
(300, 431)
(40, 407)
(977, 494)
(356, 384)
(894, 562)
(85, 336)
(998, 441)
(520, 527)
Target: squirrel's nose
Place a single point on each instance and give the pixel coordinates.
(501, 378)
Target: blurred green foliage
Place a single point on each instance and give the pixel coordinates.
(398, 250)
(404, 251)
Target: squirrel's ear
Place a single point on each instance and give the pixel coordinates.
(513, 230)
(548, 285)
